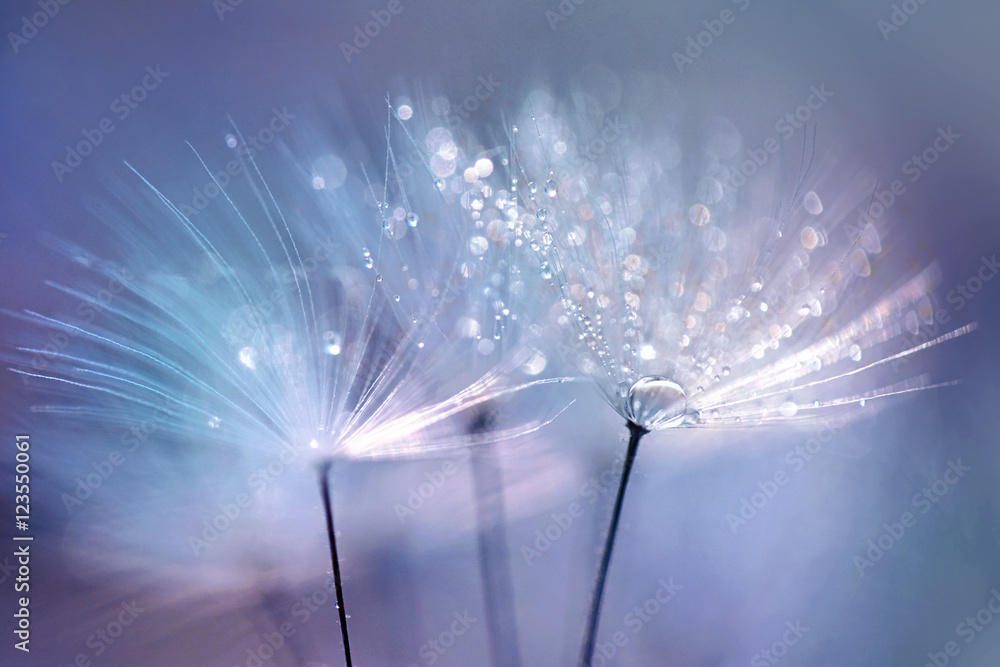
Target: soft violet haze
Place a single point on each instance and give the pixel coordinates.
(795, 577)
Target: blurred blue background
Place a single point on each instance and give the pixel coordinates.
(794, 562)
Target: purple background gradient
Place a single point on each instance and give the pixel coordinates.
(404, 582)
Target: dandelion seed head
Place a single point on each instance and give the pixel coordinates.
(733, 291)
(264, 329)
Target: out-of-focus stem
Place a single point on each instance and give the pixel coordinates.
(594, 615)
(324, 485)
(494, 559)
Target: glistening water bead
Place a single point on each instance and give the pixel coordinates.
(656, 402)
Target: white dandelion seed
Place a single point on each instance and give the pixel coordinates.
(713, 306)
(323, 320)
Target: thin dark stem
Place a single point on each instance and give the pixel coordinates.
(324, 485)
(494, 559)
(594, 616)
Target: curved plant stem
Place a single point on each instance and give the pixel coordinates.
(594, 615)
(324, 485)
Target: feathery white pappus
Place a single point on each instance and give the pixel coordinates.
(344, 316)
(691, 302)
(687, 300)
(351, 308)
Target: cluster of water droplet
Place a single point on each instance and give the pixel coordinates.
(652, 279)
(656, 281)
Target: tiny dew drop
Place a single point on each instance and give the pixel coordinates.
(439, 184)
(545, 270)
(369, 263)
(412, 219)
(551, 188)
(542, 214)
(691, 418)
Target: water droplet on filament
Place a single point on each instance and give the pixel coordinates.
(656, 402)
